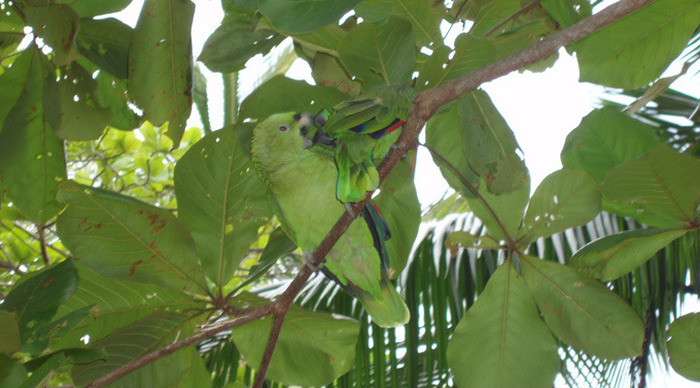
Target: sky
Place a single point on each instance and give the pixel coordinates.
(541, 109)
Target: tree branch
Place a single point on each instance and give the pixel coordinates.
(426, 104)
(252, 314)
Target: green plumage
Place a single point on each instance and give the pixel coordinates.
(363, 130)
(301, 185)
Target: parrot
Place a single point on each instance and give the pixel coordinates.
(301, 185)
(361, 132)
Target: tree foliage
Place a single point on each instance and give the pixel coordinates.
(132, 245)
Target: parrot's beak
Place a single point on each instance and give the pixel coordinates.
(305, 121)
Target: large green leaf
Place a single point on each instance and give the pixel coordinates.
(301, 16)
(583, 312)
(661, 189)
(57, 25)
(222, 200)
(683, 338)
(313, 348)
(32, 162)
(10, 341)
(36, 299)
(13, 82)
(88, 8)
(327, 71)
(605, 139)
(105, 42)
(183, 368)
(489, 144)
(281, 94)
(398, 204)
(615, 255)
(12, 373)
(565, 198)
(237, 40)
(120, 237)
(115, 304)
(645, 41)
(488, 14)
(160, 64)
(380, 55)
(452, 146)
(424, 16)
(82, 117)
(501, 341)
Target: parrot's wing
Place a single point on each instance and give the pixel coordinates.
(357, 130)
(279, 213)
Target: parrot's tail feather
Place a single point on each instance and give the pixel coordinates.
(387, 311)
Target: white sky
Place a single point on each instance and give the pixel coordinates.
(540, 108)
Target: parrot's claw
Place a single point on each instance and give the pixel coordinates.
(309, 261)
(348, 208)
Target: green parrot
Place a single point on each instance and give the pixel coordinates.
(301, 187)
(361, 131)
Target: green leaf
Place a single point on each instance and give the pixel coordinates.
(501, 341)
(57, 25)
(35, 300)
(115, 304)
(325, 40)
(138, 339)
(499, 211)
(424, 17)
(567, 12)
(237, 40)
(89, 8)
(160, 63)
(380, 55)
(605, 139)
(488, 14)
(398, 203)
(122, 238)
(467, 240)
(647, 41)
(105, 42)
(32, 161)
(450, 145)
(613, 256)
(327, 71)
(222, 200)
(82, 117)
(313, 348)
(565, 198)
(12, 373)
(683, 344)
(10, 341)
(489, 144)
(111, 93)
(583, 312)
(281, 94)
(302, 16)
(661, 189)
(13, 81)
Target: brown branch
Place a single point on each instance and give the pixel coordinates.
(277, 321)
(426, 104)
(42, 244)
(252, 314)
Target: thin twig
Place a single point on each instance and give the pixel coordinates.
(42, 244)
(252, 314)
(275, 330)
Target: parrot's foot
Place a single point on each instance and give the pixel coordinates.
(348, 208)
(309, 261)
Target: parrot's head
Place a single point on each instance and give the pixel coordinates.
(280, 139)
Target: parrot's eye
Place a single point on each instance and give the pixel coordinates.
(284, 128)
